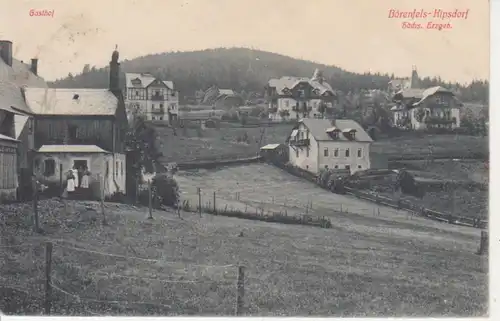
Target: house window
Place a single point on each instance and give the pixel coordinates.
(161, 118)
(297, 153)
(326, 166)
(347, 152)
(157, 93)
(336, 152)
(50, 167)
(336, 166)
(121, 167)
(152, 106)
(117, 168)
(72, 131)
(359, 152)
(359, 166)
(347, 166)
(161, 106)
(325, 152)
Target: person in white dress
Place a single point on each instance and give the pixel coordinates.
(75, 175)
(85, 179)
(70, 186)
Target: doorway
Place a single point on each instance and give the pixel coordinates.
(81, 165)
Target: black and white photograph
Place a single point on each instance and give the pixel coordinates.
(323, 158)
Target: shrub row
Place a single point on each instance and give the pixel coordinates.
(275, 217)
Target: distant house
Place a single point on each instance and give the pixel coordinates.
(15, 119)
(399, 84)
(299, 97)
(151, 97)
(76, 127)
(222, 98)
(316, 144)
(227, 99)
(274, 153)
(418, 109)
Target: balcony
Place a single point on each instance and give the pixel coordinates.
(157, 98)
(300, 142)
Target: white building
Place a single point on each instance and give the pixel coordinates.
(316, 144)
(299, 97)
(151, 97)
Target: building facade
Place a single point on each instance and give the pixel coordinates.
(90, 120)
(15, 119)
(316, 144)
(151, 97)
(8, 168)
(420, 109)
(297, 98)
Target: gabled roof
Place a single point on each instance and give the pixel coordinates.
(290, 82)
(432, 91)
(318, 128)
(227, 92)
(7, 138)
(71, 101)
(410, 93)
(145, 79)
(71, 149)
(12, 79)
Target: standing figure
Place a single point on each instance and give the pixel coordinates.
(75, 175)
(70, 186)
(85, 178)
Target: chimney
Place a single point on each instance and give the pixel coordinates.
(114, 71)
(34, 66)
(6, 51)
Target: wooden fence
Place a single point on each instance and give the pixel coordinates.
(418, 210)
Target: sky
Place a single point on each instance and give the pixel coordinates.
(356, 35)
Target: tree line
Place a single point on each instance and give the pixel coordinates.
(249, 70)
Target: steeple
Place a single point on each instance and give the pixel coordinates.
(415, 80)
(114, 71)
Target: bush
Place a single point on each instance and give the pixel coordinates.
(164, 189)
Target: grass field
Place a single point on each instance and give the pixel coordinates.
(210, 144)
(364, 266)
(441, 145)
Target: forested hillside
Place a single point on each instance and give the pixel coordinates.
(244, 69)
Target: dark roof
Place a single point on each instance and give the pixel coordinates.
(71, 101)
(318, 128)
(410, 93)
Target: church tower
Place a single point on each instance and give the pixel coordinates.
(114, 72)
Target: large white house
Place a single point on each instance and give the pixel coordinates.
(151, 97)
(316, 144)
(299, 97)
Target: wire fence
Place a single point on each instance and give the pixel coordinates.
(94, 283)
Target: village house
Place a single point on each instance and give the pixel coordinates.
(316, 144)
(221, 98)
(419, 109)
(80, 128)
(15, 120)
(151, 97)
(299, 97)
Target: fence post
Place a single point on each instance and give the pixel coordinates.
(36, 222)
(241, 290)
(199, 200)
(48, 286)
(137, 189)
(215, 207)
(101, 198)
(61, 178)
(150, 200)
(483, 244)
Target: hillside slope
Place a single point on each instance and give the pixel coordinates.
(236, 68)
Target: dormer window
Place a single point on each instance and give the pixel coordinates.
(76, 96)
(349, 133)
(333, 132)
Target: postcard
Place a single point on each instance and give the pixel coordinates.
(322, 158)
